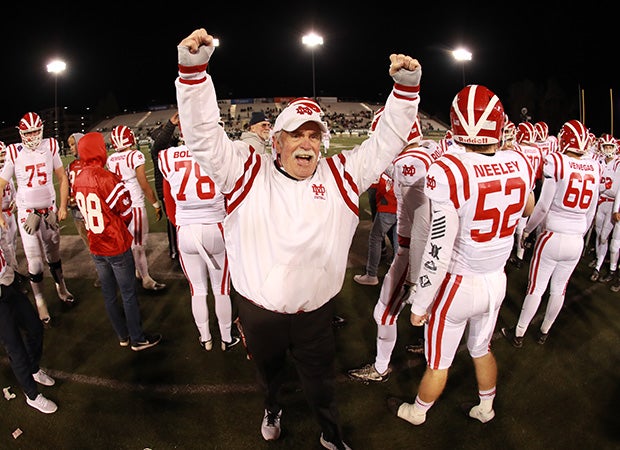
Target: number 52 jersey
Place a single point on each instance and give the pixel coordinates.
(489, 194)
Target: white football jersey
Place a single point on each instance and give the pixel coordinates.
(124, 165)
(8, 195)
(577, 185)
(489, 194)
(610, 179)
(34, 173)
(195, 194)
(410, 169)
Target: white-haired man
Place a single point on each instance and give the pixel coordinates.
(291, 217)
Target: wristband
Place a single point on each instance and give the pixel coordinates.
(156, 205)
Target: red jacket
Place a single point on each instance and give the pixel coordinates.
(103, 199)
(386, 199)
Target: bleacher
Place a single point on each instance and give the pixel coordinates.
(342, 117)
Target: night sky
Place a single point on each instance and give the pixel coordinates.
(546, 57)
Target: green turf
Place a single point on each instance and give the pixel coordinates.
(562, 395)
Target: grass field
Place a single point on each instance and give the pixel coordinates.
(562, 395)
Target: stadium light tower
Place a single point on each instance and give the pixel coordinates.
(56, 66)
(462, 55)
(312, 40)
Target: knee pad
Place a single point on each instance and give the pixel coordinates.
(35, 277)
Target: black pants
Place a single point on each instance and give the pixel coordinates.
(21, 333)
(309, 338)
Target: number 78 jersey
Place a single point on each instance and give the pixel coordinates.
(489, 194)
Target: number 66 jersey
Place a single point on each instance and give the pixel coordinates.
(482, 197)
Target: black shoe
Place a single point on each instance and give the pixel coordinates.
(338, 321)
(608, 277)
(509, 333)
(150, 340)
(228, 345)
(542, 337)
(595, 275)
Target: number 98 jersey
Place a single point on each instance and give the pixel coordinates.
(489, 194)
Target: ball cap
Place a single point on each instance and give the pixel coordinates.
(298, 112)
(258, 117)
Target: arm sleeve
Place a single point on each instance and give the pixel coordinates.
(437, 255)
(543, 204)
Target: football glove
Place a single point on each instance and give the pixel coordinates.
(51, 219)
(31, 225)
(408, 77)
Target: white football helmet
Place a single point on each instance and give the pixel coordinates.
(122, 137)
(608, 145)
(31, 130)
(477, 116)
(573, 137)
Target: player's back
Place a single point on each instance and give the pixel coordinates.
(489, 193)
(577, 183)
(196, 196)
(124, 165)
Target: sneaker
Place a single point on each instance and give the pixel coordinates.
(369, 373)
(43, 378)
(516, 261)
(270, 428)
(482, 416)
(416, 349)
(152, 285)
(124, 342)
(509, 333)
(150, 341)
(366, 280)
(595, 275)
(542, 337)
(326, 444)
(207, 345)
(608, 276)
(228, 345)
(42, 404)
(405, 411)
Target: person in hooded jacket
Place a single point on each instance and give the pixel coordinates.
(105, 203)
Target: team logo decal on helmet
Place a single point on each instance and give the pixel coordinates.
(477, 116)
(122, 137)
(31, 130)
(573, 137)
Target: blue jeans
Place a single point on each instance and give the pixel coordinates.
(380, 227)
(121, 270)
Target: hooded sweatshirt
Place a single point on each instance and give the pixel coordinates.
(102, 198)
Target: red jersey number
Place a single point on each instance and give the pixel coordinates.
(499, 216)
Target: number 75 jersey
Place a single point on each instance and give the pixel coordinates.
(489, 194)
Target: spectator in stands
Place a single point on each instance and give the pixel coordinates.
(164, 137)
(258, 134)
